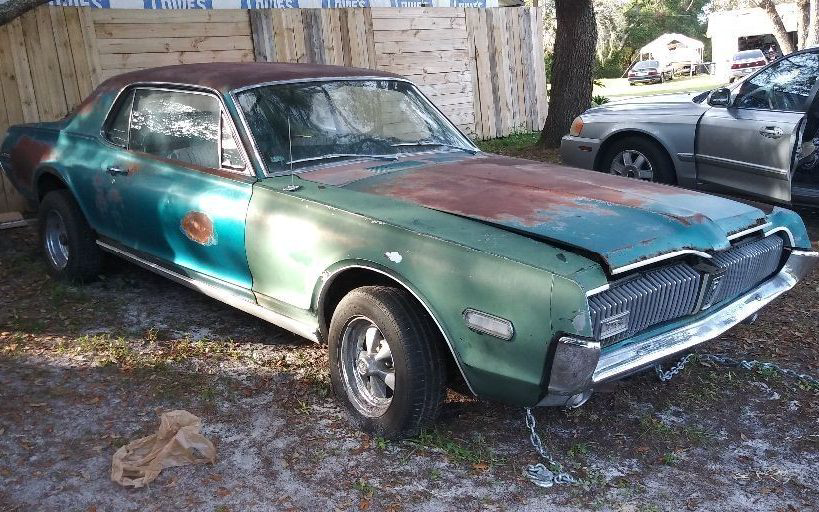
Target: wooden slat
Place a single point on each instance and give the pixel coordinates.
(261, 23)
(428, 46)
(141, 16)
(12, 108)
(22, 71)
(146, 60)
(540, 78)
(51, 65)
(65, 58)
(92, 53)
(420, 23)
(484, 76)
(152, 30)
(472, 19)
(381, 36)
(421, 58)
(77, 43)
(177, 44)
(416, 12)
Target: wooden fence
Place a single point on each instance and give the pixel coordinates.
(481, 67)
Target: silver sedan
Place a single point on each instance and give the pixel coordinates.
(757, 138)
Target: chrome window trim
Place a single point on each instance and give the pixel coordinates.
(599, 289)
(329, 278)
(655, 259)
(233, 94)
(183, 88)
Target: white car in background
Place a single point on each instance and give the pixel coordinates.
(745, 63)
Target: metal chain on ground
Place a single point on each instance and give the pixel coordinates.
(666, 376)
(539, 474)
(724, 360)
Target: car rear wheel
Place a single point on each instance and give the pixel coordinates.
(637, 157)
(385, 363)
(67, 240)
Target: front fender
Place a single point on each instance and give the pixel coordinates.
(295, 245)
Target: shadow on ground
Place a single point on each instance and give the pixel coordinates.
(85, 369)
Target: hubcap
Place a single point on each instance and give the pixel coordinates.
(367, 367)
(56, 240)
(632, 164)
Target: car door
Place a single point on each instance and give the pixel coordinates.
(179, 183)
(749, 146)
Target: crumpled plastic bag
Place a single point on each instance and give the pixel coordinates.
(177, 443)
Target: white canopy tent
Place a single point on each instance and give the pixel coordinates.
(674, 49)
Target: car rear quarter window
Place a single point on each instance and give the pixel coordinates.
(117, 127)
(177, 125)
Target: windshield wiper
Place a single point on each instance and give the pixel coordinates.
(340, 155)
(442, 144)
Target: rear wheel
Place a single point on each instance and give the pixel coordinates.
(385, 363)
(640, 158)
(68, 242)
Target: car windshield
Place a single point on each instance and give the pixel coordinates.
(306, 123)
(749, 54)
(645, 64)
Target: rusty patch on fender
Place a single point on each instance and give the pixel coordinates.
(198, 228)
(26, 155)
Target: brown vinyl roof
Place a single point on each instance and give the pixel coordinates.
(226, 76)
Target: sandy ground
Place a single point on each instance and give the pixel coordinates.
(83, 370)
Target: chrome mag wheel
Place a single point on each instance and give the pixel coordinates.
(56, 240)
(630, 163)
(367, 367)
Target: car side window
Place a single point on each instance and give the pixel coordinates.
(231, 156)
(117, 131)
(785, 85)
(177, 125)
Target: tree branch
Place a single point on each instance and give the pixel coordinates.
(780, 32)
(11, 9)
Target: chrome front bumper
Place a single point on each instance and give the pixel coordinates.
(579, 364)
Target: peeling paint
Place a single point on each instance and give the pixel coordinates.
(198, 227)
(393, 256)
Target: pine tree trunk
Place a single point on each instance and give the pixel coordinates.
(781, 34)
(572, 68)
(14, 8)
(803, 23)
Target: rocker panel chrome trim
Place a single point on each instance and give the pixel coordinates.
(304, 330)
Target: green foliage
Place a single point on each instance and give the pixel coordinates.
(644, 21)
(599, 99)
(548, 58)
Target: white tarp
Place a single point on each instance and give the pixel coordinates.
(671, 48)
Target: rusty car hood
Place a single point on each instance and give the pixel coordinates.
(621, 220)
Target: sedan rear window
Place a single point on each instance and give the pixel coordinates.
(750, 54)
(645, 64)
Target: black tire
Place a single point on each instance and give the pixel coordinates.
(419, 368)
(83, 256)
(660, 162)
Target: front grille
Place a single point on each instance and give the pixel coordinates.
(674, 291)
(747, 264)
(650, 298)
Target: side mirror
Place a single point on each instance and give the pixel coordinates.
(720, 98)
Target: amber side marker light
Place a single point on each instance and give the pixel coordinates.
(489, 324)
(577, 127)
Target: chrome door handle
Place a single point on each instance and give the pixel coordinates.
(772, 132)
(114, 171)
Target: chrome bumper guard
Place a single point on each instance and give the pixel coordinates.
(579, 364)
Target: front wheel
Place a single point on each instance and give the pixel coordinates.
(385, 363)
(67, 240)
(640, 158)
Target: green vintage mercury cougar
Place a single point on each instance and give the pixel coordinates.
(340, 204)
